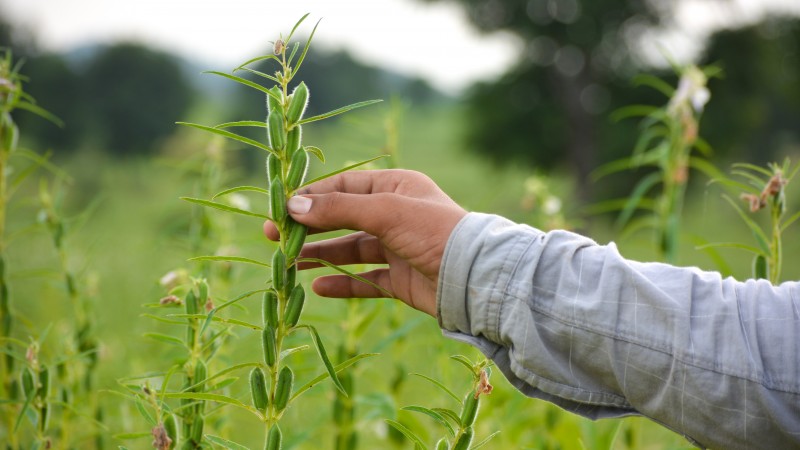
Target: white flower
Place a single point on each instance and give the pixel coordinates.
(691, 90)
(551, 206)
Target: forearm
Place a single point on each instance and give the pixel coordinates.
(574, 323)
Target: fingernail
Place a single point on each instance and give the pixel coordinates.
(299, 205)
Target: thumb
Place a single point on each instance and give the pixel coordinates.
(372, 213)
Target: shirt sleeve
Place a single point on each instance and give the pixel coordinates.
(572, 322)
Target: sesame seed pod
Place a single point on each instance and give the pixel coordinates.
(44, 383)
(295, 240)
(277, 131)
(273, 167)
(269, 309)
(470, 410)
(272, 103)
(297, 170)
(203, 290)
(277, 200)
(297, 104)
(465, 440)
(278, 269)
(44, 417)
(171, 427)
(269, 346)
(191, 302)
(295, 306)
(284, 388)
(291, 277)
(274, 438)
(200, 375)
(258, 389)
(293, 138)
(28, 386)
(197, 430)
(442, 444)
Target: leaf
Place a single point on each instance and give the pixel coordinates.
(736, 245)
(450, 414)
(230, 445)
(316, 151)
(703, 245)
(440, 386)
(345, 169)
(465, 362)
(41, 112)
(43, 161)
(655, 83)
(214, 311)
(223, 207)
(790, 221)
(433, 414)
(290, 351)
(260, 74)
(341, 110)
(291, 33)
(305, 50)
(229, 259)
(642, 187)
(611, 168)
(165, 338)
(256, 59)
(339, 367)
(418, 444)
(144, 412)
(761, 238)
(323, 355)
(245, 82)
(240, 189)
(243, 123)
(206, 397)
(128, 436)
(754, 168)
(485, 441)
(228, 135)
(163, 319)
(348, 273)
(633, 111)
(294, 52)
(760, 267)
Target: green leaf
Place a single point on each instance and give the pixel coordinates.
(165, 338)
(450, 414)
(754, 180)
(761, 238)
(341, 110)
(323, 355)
(760, 267)
(348, 273)
(611, 168)
(144, 412)
(229, 135)
(703, 245)
(41, 112)
(42, 161)
(635, 198)
(754, 168)
(418, 444)
(243, 123)
(305, 50)
(736, 245)
(129, 436)
(703, 147)
(223, 207)
(633, 111)
(240, 189)
(294, 52)
(294, 28)
(440, 386)
(260, 74)
(163, 319)
(230, 259)
(206, 397)
(245, 82)
(434, 415)
(290, 351)
(339, 367)
(345, 169)
(465, 362)
(655, 83)
(230, 445)
(256, 59)
(790, 221)
(485, 441)
(214, 311)
(316, 151)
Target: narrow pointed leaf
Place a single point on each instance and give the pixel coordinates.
(42, 161)
(230, 259)
(642, 187)
(294, 28)
(434, 415)
(230, 445)
(41, 112)
(790, 221)
(348, 273)
(440, 386)
(256, 59)
(341, 110)
(240, 189)
(323, 355)
(294, 52)
(243, 81)
(754, 168)
(290, 351)
(203, 396)
(223, 207)
(418, 444)
(736, 245)
(485, 441)
(260, 74)
(165, 338)
(228, 135)
(339, 367)
(305, 50)
(449, 414)
(655, 83)
(465, 362)
(761, 238)
(243, 123)
(316, 151)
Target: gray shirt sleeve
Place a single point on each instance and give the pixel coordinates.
(574, 323)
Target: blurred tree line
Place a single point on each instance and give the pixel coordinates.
(552, 107)
(124, 98)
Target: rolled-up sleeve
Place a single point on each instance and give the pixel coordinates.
(572, 322)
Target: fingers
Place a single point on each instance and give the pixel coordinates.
(342, 286)
(355, 248)
(374, 214)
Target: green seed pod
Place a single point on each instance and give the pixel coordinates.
(197, 429)
(277, 200)
(295, 240)
(188, 445)
(272, 103)
(202, 288)
(277, 131)
(28, 385)
(760, 267)
(297, 170)
(297, 104)
(268, 344)
(44, 417)
(284, 388)
(190, 334)
(171, 427)
(295, 306)
(293, 138)
(258, 389)
(442, 444)
(465, 440)
(278, 269)
(291, 276)
(274, 438)
(470, 410)
(44, 383)
(200, 375)
(190, 302)
(273, 167)
(269, 309)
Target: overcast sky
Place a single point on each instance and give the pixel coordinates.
(431, 40)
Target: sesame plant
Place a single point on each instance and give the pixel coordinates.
(761, 189)
(459, 425)
(669, 144)
(272, 384)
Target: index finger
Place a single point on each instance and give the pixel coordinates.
(407, 183)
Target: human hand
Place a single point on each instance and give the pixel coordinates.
(401, 218)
